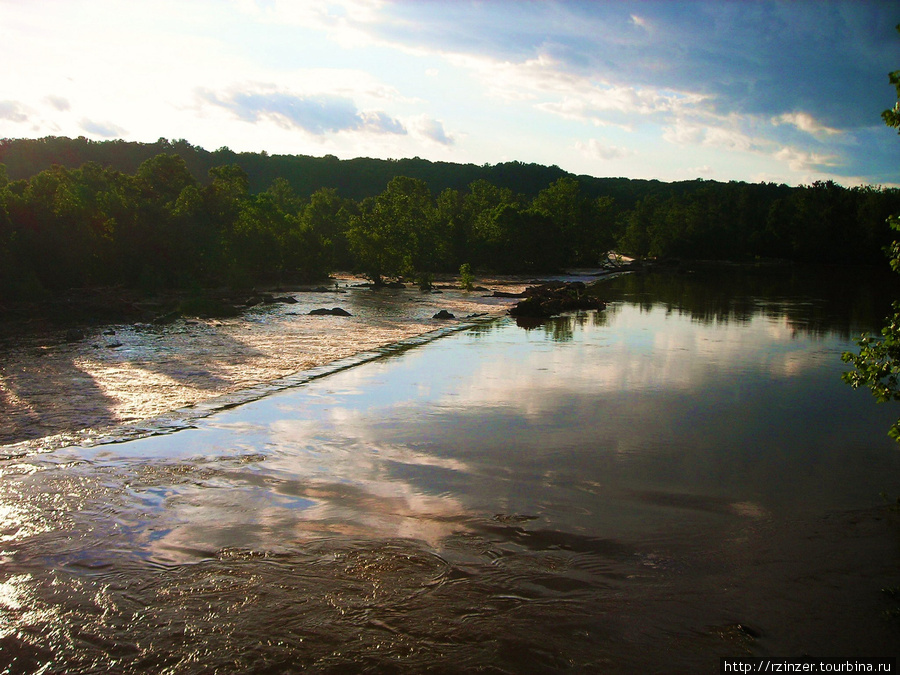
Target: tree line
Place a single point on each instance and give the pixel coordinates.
(160, 226)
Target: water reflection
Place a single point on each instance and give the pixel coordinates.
(616, 491)
(562, 328)
(812, 300)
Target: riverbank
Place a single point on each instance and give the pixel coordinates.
(64, 381)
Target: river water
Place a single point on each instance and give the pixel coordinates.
(680, 477)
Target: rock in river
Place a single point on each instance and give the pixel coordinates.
(546, 300)
(334, 311)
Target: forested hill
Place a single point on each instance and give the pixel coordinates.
(76, 213)
(352, 178)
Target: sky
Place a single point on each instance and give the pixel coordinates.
(785, 92)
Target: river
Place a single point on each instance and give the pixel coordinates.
(678, 478)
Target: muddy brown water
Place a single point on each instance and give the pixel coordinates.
(645, 489)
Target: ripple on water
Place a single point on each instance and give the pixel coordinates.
(147, 379)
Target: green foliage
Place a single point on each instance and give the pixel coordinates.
(396, 233)
(877, 365)
(584, 224)
(376, 243)
(891, 117)
(325, 217)
(169, 214)
(466, 278)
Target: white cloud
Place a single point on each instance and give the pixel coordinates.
(104, 129)
(13, 111)
(431, 129)
(552, 88)
(346, 22)
(751, 135)
(682, 132)
(594, 149)
(58, 102)
(805, 122)
(799, 160)
(733, 132)
(353, 75)
(316, 114)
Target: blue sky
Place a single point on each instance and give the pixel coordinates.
(758, 91)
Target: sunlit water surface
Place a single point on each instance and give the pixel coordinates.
(123, 375)
(681, 477)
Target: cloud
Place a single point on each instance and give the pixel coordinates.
(58, 102)
(431, 129)
(317, 114)
(550, 87)
(799, 160)
(350, 23)
(753, 136)
(380, 123)
(720, 80)
(639, 21)
(104, 129)
(792, 82)
(13, 111)
(713, 131)
(597, 150)
(805, 122)
(760, 58)
(594, 103)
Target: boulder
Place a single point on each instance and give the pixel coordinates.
(547, 300)
(443, 314)
(334, 311)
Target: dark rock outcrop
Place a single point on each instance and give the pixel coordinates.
(547, 300)
(443, 314)
(334, 311)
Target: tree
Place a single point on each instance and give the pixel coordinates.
(8, 271)
(454, 220)
(57, 226)
(520, 240)
(891, 117)
(375, 243)
(396, 233)
(326, 218)
(164, 177)
(877, 365)
(579, 220)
